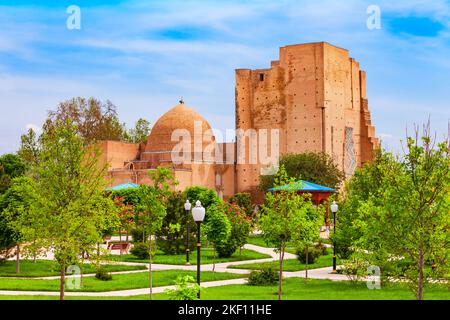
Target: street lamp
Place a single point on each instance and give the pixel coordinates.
(198, 213)
(187, 207)
(334, 209)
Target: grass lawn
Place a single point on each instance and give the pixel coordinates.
(293, 288)
(47, 268)
(258, 240)
(119, 282)
(180, 259)
(290, 264)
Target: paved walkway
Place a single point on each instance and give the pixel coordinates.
(122, 293)
(322, 273)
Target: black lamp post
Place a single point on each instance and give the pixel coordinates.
(334, 209)
(187, 207)
(198, 213)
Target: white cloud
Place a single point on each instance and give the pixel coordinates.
(33, 127)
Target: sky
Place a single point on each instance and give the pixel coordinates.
(144, 55)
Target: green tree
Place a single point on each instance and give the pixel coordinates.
(310, 220)
(364, 184)
(69, 210)
(240, 229)
(207, 197)
(407, 218)
(154, 199)
(131, 196)
(186, 289)
(172, 236)
(29, 147)
(126, 217)
(310, 166)
(15, 202)
(94, 120)
(283, 217)
(243, 200)
(139, 133)
(11, 166)
(217, 228)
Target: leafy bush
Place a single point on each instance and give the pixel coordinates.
(314, 252)
(172, 236)
(187, 289)
(103, 275)
(355, 268)
(243, 200)
(141, 250)
(265, 277)
(240, 229)
(315, 167)
(207, 197)
(130, 196)
(218, 227)
(138, 234)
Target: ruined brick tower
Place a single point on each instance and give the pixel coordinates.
(316, 96)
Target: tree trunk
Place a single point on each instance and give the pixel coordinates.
(214, 259)
(280, 275)
(307, 257)
(98, 254)
(18, 259)
(81, 277)
(34, 251)
(62, 282)
(120, 240)
(150, 270)
(419, 294)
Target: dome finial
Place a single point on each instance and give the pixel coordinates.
(181, 100)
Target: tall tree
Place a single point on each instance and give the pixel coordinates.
(153, 200)
(286, 216)
(364, 184)
(29, 147)
(94, 120)
(16, 202)
(411, 221)
(139, 133)
(70, 209)
(217, 228)
(310, 166)
(11, 166)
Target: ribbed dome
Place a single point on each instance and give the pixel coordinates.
(179, 117)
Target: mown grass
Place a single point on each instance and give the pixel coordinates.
(119, 282)
(47, 268)
(207, 255)
(293, 289)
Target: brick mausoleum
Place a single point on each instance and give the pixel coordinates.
(314, 95)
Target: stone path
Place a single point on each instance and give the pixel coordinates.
(322, 273)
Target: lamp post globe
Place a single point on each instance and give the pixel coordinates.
(187, 207)
(198, 213)
(334, 209)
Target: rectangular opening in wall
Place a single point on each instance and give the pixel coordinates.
(261, 77)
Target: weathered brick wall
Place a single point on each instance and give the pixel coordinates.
(311, 94)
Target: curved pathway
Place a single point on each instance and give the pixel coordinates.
(322, 273)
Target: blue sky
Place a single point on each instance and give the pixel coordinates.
(144, 55)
